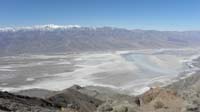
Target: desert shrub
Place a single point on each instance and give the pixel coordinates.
(158, 105)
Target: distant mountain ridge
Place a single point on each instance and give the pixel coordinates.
(74, 38)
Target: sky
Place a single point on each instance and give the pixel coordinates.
(130, 14)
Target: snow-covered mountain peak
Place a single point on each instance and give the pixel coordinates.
(39, 27)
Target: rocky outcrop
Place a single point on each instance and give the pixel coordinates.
(160, 100)
(69, 100)
(189, 90)
(75, 100)
(154, 100)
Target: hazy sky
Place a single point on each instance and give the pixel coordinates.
(132, 14)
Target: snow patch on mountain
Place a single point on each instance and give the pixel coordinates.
(48, 27)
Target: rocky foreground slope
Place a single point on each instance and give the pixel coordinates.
(182, 96)
(68, 101)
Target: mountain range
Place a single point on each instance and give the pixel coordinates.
(74, 38)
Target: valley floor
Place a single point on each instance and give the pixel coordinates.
(130, 72)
